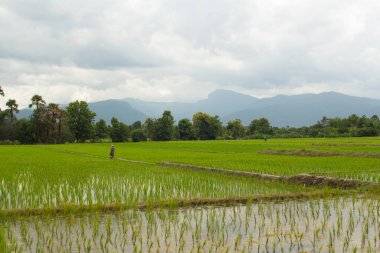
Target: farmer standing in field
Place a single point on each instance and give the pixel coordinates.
(112, 152)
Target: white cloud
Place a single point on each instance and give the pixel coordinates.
(62, 84)
(173, 50)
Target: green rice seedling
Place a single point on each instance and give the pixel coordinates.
(296, 225)
(247, 155)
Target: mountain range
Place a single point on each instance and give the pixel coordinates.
(282, 110)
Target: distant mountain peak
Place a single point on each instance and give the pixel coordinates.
(281, 110)
(222, 93)
(332, 93)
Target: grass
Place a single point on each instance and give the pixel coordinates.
(42, 178)
(247, 156)
(46, 176)
(78, 181)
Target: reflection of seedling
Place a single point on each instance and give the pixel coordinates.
(164, 230)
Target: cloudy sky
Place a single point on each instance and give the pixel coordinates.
(177, 50)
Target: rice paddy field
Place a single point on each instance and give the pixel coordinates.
(73, 198)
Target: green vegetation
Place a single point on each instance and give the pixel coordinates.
(57, 178)
(153, 204)
(246, 155)
(80, 120)
(294, 226)
(51, 124)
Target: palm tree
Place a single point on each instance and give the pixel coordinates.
(1, 93)
(37, 101)
(149, 124)
(54, 115)
(38, 117)
(13, 108)
(324, 122)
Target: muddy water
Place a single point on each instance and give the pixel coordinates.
(327, 225)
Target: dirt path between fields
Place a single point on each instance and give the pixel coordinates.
(313, 153)
(176, 203)
(346, 144)
(305, 179)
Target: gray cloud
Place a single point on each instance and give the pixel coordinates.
(181, 50)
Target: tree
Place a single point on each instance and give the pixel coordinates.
(260, 127)
(324, 123)
(53, 115)
(80, 120)
(9, 129)
(375, 122)
(13, 108)
(164, 127)
(353, 124)
(38, 102)
(119, 132)
(2, 114)
(149, 128)
(236, 128)
(185, 129)
(101, 130)
(375, 119)
(303, 131)
(206, 127)
(1, 93)
(138, 135)
(136, 125)
(3, 117)
(25, 132)
(39, 119)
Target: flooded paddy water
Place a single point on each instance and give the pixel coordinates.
(344, 224)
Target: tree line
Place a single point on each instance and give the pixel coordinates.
(49, 123)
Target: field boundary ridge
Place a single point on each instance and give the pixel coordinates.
(314, 153)
(305, 179)
(71, 208)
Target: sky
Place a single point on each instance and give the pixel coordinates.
(178, 50)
